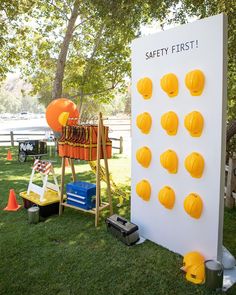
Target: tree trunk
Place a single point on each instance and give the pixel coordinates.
(231, 130)
(61, 62)
(88, 68)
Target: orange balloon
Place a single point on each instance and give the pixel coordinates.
(55, 108)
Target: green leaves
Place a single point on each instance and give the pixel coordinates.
(97, 63)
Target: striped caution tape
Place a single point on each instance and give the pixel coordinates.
(43, 167)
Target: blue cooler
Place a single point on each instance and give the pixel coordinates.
(81, 194)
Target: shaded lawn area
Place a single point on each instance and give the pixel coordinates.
(68, 255)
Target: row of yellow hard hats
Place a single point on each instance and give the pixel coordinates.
(194, 162)
(193, 204)
(194, 81)
(193, 122)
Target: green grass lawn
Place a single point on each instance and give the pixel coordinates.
(68, 255)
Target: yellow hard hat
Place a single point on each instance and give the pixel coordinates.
(194, 164)
(169, 122)
(192, 258)
(194, 123)
(143, 190)
(63, 118)
(144, 87)
(144, 156)
(195, 81)
(169, 83)
(196, 274)
(166, 197)
(169, 161)
(193, 265)
(144, 122)
(193, 205)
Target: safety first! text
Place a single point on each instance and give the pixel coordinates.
(176, 48)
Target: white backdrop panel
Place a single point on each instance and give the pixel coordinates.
(174, 229)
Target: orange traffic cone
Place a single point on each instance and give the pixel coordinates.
(66, 162)
(9, 156)
(12, 202)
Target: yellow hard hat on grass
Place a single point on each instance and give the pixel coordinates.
(193, 265)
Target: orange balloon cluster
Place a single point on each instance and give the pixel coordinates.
(55, 108)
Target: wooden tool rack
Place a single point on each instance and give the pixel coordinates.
(100, 205)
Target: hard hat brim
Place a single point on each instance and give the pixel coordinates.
(172, 171)
(194, 280)
(195, 175)
(196, 134)
(173, 94)
(196, 93)
(171, 133)
(147, 96)
(145, 131)
(169, 206)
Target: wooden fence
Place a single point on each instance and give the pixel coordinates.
(230, 179)
(230, 188)
(15, 137)
(120, 147)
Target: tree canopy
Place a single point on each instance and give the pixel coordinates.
(98, 55)
(81, 49)
(205, 8)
